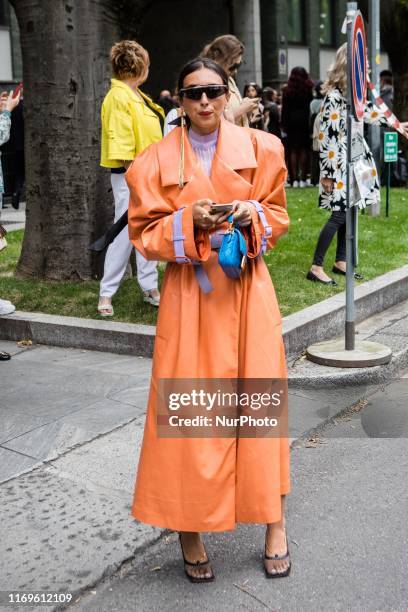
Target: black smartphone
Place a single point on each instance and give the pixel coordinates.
(220, 208)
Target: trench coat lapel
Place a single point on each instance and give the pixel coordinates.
(234, 152)
(197, 184)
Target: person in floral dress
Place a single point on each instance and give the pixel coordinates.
(333, 166)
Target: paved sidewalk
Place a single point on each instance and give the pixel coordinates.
(55, 399)
(71, 427)
(58, 399)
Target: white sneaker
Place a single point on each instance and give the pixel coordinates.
(6, 307)
(295, 184)
(152, 297)
(302, 184)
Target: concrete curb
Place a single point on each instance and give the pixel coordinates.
(326, 319)
(74, 332)
(313, 324)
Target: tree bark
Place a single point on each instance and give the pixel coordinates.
(65, 46)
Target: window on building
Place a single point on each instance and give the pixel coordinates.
(4, 13)
(326, 22)
(296, 21)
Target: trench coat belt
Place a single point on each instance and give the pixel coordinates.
(180, 256)
(216, 240)
(200, 273)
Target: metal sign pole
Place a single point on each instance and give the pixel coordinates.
(350, 212)
(387, 201)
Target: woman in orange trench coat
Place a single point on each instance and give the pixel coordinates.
(209, 484)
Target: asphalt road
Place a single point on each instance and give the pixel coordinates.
(347, 528)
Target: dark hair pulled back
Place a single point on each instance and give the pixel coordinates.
(198, 64)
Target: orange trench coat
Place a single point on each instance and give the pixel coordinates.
(210, 484)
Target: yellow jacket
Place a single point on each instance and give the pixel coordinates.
(128, 125)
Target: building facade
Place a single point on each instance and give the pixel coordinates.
(11, 70)
(278, 35)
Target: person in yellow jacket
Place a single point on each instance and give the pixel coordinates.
(131, 121)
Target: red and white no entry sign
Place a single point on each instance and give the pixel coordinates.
(358, 66)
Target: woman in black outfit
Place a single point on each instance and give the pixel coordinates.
(271, 112)
(296, 98)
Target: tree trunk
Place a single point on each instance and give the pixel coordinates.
(65, 45)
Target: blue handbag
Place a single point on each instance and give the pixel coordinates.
(232, 255)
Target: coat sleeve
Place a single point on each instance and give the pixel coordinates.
(332, 133)
(5, 124)
(268, 188)
(374, 115)
(151, 215)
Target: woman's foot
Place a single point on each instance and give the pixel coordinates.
(105, 307)
(320, 273)
(276, 560)
(6, 307)
(340, 267)
(152, 297)
(316, 273)
(196, 563)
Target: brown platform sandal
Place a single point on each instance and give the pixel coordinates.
(267, 559)
(197, 564)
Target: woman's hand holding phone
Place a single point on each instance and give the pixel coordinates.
(242, 213)
(208, 214)
(202, 216)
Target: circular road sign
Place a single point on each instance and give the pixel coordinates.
(358, 66)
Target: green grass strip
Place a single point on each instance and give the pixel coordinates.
(383, 246)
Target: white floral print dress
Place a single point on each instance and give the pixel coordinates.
(333, 150)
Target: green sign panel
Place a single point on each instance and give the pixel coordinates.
(390, 146)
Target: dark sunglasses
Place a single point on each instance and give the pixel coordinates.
(211, 91)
